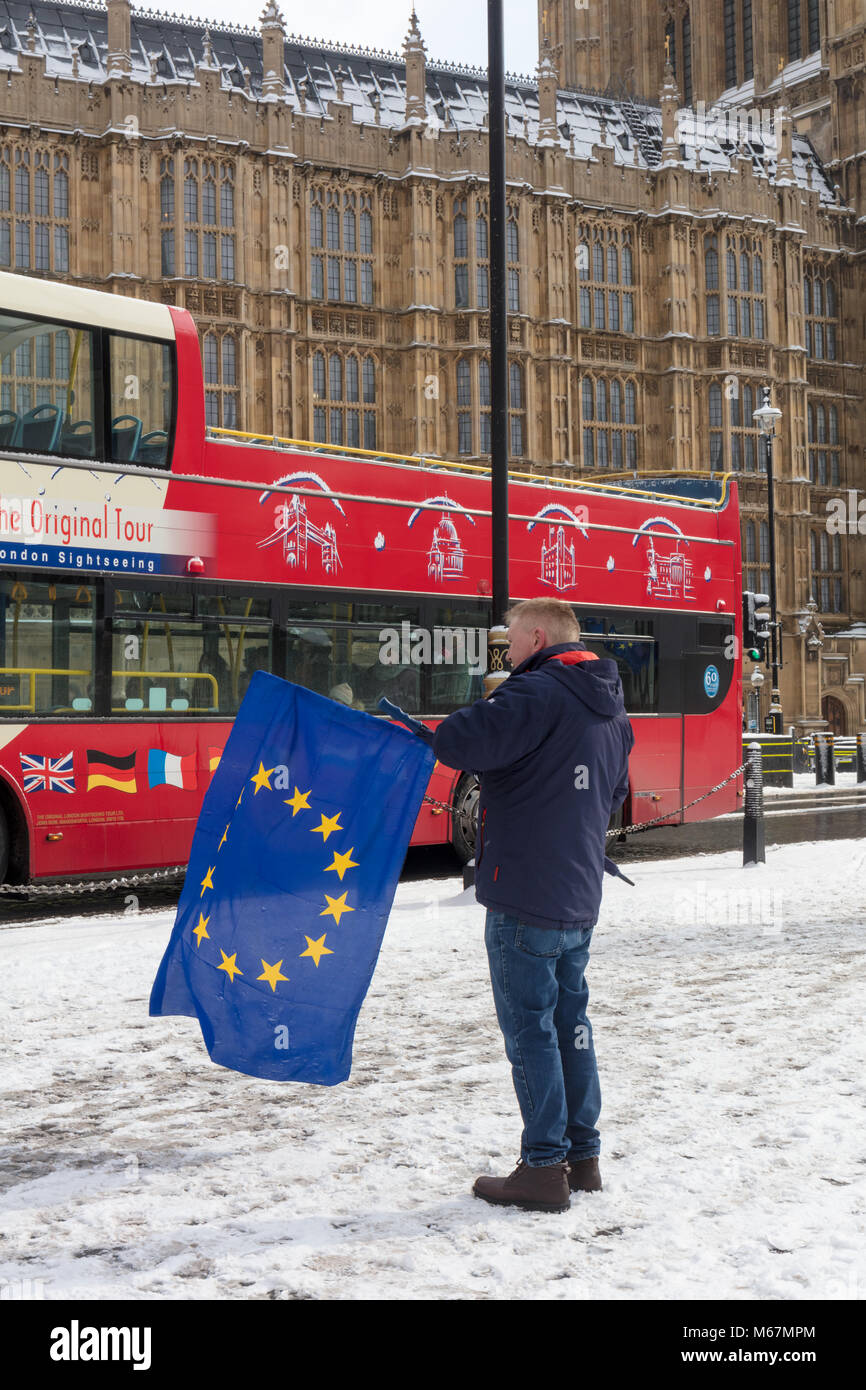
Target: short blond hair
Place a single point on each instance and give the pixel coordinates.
(554, 615)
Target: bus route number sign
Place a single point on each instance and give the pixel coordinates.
(711, 682)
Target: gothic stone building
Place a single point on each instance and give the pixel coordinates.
(322, 212)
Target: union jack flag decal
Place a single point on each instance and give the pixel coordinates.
(47, 774)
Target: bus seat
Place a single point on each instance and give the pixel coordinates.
(82, 702)
(40, 428)
(180, 704)
(133, 704)
(10, 422)
(157, 697)
(152, 448)
(77, 439)
(125, 437)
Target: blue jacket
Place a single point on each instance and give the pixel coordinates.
(551, 749)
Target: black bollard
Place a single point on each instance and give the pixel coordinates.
(861, 758)
(753, 808)
(831, 760)
(820, 760)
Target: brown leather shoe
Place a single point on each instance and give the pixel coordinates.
(583, 1175)
(530, 1189)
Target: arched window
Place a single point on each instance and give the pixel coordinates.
(711, 282)
(335, 377)
(166, 214)
(461, 240)
(484, 402)
(729, 21)
(804, 28)
(512, 251)
(687, 58)
(464, 404)
(516, 409)
(748, 41)
(352, 381)
(749, 548)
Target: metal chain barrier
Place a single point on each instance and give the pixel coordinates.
(647, 824)
(59, 890)
(629, 829)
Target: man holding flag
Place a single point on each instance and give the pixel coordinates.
(551, 746)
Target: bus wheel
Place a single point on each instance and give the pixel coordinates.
(4, 847)
(464, 818)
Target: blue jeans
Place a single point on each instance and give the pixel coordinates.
(541, 996)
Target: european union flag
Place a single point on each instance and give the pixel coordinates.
(294, 863)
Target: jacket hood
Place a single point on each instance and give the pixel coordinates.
(597, 683)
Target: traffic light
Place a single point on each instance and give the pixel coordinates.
(756, 633)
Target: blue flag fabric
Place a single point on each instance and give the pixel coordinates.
(292, 872)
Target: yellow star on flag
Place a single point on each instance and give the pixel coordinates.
(223, 840)
(229, 966)
(341, 863)
(262, 778)
(316, 949)
(201, 930)
(207, 881)
(272, 974)
(241, 797)
(336, 907)
(299, 802)
(328, 826)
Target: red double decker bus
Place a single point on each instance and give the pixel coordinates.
(148, 566)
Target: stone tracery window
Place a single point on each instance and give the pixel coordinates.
(473, 407)
(825, 449)
(608, 409)
(825, 554)
(221, 386)
(208, 202)
(821, 307)
(344, 399)
(735, 440)
(341, 245)
(34, 208)
(743, 290)
(605, 263)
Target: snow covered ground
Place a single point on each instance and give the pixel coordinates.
(728, 1014)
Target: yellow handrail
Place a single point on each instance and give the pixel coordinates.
(33, 672)
(418, 460)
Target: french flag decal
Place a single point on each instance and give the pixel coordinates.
(169, 770)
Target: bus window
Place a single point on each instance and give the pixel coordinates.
(164, 664)
(637, 657)
(141, 400)
(46, 647)
(46, 388)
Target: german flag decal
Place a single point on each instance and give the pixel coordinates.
(104, 770)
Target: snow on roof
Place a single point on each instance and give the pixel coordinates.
(374, 85)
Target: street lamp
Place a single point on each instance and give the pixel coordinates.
(765, 419)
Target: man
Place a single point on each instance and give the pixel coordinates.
(551, 746)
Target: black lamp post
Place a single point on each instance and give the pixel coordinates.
(766, 418)
(498, 309)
